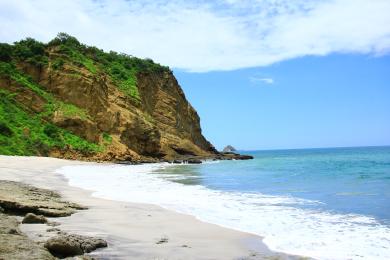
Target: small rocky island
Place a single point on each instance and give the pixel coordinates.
(229, 149)
(229, 153)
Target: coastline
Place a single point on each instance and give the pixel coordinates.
(131, 229)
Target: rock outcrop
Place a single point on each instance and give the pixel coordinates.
(16, 199)
(131, 109)
(22, 199)
(64, 99)
(15, 245)
(31, 218)
(71, 245)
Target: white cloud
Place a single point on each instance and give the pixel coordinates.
(263, 80)
(204, 36)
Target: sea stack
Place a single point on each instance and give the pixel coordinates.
(229, 149)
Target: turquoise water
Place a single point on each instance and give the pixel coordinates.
(344, 180)
(321, 203)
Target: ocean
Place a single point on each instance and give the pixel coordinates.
(331, 203)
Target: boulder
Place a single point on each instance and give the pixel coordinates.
(194, 161)
(72, 245)
(245, 157)
(177, 161)
(31, 218)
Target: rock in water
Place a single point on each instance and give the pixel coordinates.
(72, 245)
(194, 161)
(229, 149)
(245, 157)
(31, 218)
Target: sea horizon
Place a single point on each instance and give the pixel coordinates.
(332, 202)
(195, 130)
(311, 148)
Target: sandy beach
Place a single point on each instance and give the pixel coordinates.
(133, 231)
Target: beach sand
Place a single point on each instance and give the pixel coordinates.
(133, 231)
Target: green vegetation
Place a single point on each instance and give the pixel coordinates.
(28, 50)
(107, 138)
(122, 68)
(77, 58)
(9, 70)
(58, 64)
(70, 110)
(25, 134)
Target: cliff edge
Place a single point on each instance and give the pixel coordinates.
(68, 100)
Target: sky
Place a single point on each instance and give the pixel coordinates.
(263, 74)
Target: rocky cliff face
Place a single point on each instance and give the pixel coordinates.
(137, 113)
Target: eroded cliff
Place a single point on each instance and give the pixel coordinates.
(68, 100)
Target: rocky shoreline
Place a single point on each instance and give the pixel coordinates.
(132, 230)
(37, 205)
(185, 159)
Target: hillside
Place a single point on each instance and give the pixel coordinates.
(68, 100)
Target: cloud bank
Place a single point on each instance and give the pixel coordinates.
(202, 36)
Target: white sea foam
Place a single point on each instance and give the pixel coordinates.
(285, 228)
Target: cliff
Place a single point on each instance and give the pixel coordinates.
(68, 100)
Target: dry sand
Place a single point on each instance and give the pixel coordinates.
(132, 230)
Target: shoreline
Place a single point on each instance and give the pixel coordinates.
(133, 229)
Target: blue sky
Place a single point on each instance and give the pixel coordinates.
(336, 100)
(263, 74)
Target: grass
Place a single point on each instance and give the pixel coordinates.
(107, 138)
(24, 134)
(77, 58)
(8, 69)
(53, 104)
(121, 68)
(70, 110)
(128, 85)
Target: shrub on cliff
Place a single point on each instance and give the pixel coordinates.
(6, 51)
(31, 51)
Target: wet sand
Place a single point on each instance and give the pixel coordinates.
(133, 231)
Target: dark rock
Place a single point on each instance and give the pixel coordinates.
(72, 245)
(31, 218)
(229, 153)
(53, 230)
(177, 161)
(162, 240)
(245, 157)
(235, 156)
(194, 161)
